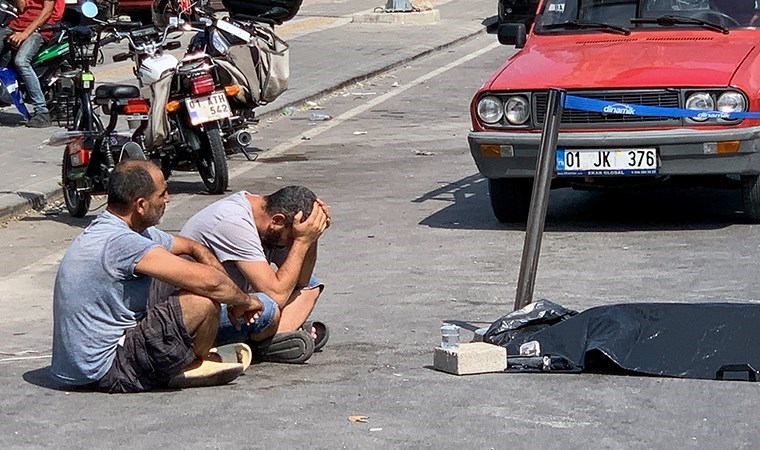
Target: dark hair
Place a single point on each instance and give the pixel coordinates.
(130, 180)
(289, 200)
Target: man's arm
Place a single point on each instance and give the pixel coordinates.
(281, 283)
(308, 266)
(20, 36)
(277, 284)
(200, 279)
(196, 250)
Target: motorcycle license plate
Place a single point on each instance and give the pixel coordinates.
(208, 108)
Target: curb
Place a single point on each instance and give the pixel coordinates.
(37, 201)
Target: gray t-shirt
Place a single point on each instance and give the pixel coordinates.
(228, 229)
(98, 296)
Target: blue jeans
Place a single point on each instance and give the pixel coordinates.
(227, 333)
(23, 63)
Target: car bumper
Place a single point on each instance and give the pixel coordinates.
(681, 152)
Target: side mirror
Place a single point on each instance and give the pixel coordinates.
(512, 34)
(89, 9)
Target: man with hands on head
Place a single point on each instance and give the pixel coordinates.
(130, 313)
(249, 233)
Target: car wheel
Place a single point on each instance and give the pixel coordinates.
(510, 198)
(751, 197)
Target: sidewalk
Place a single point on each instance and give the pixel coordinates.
(325, 55)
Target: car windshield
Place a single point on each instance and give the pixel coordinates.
(558, 16)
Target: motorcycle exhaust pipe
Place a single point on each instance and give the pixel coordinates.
(240, 138)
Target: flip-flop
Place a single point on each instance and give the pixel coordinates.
(293, 347)
(233, 353)
(323, 333)
(208, 373)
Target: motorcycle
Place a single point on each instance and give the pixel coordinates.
(191, 123)
(92, 150)
(52, 64)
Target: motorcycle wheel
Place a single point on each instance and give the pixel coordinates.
(77, 202)
(212, 162)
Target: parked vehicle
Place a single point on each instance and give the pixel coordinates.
(250, 55)
(92, 150)
(190, 106)
(51, 64)
(683, 54)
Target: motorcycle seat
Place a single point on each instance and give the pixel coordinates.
(116, 91)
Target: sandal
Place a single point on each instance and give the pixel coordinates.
(232, 353)
(323, 333)
(293, 347)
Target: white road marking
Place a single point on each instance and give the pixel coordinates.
(23, 358)
(350, 114)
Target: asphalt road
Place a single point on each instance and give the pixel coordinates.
(413, 242)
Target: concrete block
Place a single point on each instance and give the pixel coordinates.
(399, 18)
(471, 358)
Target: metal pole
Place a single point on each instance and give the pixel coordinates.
(539, 199)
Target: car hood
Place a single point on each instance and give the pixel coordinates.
(620, 62)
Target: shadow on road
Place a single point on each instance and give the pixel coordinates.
(187, 187)
(8, 119)
(41, 377)
(466, 205)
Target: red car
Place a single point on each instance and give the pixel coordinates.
(698, 58)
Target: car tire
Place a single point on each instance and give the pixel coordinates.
(751, 197)
(510, 198)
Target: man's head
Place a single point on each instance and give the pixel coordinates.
(281, 207)
(137, 189)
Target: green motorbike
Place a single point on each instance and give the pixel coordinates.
(53, 66)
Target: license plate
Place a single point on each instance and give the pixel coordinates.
(628, 161)
(208, 108)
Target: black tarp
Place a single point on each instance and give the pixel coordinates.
(705, 340)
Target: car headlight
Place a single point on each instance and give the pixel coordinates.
(490, 109)
(701, 101)
(731, 102)
(517, 110)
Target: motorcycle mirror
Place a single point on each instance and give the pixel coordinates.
(89, 9)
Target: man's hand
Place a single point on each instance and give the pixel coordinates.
(326, 209)
(312, 228)
(249, 313)
(17, 38)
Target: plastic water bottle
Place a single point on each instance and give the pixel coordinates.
(318, 117)
(449, 336)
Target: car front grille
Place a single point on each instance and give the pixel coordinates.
(579, 119)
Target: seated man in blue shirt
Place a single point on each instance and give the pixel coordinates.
(105, 334)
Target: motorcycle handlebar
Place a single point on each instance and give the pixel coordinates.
(55, 27)
(127, 25)
(121, 57)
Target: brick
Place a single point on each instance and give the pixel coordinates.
(471, 358)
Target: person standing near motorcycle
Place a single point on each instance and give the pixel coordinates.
(23, 36)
